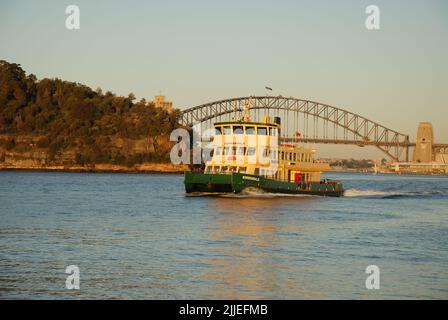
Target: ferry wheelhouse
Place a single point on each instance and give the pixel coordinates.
(248, 154)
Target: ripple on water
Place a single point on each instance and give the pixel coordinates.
(139, 236)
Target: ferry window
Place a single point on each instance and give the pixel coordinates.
(224, 168)
(257, 171)
(218, 131)
(208, 169)
(241, 151)
(218, 151)
(216, 168)
(242, 169)
(262, 131)
(265, 153)
(251, 151)
(273, 132)
(237, 130)
(250, 130)
(232, 169)
(227, 130)
(228, 151)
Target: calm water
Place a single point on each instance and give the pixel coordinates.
(138, 236)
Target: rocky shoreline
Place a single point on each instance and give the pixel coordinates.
(101, 168)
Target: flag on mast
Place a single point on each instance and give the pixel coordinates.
(267, 88)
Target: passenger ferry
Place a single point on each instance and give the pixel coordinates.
(247, 154)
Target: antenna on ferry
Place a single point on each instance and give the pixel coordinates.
(246, 116)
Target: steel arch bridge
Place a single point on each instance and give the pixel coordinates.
(316, 122)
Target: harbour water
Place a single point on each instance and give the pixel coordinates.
(138, 236)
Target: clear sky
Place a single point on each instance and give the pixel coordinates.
(200, 51)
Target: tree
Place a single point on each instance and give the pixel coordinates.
(71, 118)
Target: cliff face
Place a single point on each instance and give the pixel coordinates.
(27, 151)
(51, 122)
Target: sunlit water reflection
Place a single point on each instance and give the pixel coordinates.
(137, 236)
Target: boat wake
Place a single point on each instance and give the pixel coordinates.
(258, 193)
(349, 193)
(388, 194)
(247, 193)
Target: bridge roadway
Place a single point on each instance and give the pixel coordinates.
(359, 143)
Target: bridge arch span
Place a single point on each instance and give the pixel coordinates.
(317, 122)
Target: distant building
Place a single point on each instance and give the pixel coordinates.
(425, 139)
(419, 168)
(160, 102)
(426, 158)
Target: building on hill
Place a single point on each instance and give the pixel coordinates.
(161, 102)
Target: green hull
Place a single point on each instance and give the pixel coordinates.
(237, 182)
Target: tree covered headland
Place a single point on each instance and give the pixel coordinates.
(70, 122)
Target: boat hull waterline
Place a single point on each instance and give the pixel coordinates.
(237, 182)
